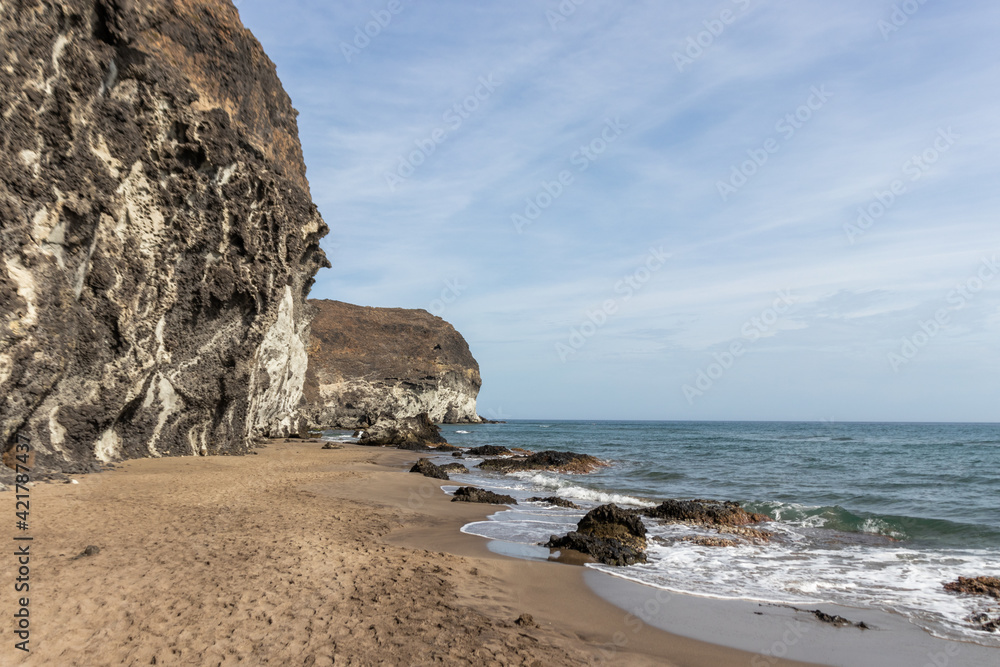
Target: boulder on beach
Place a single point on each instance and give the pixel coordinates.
(609, 534)
(570, 462)
(414, 433)
(428, 469)
(703, 512)
(470, 494)
(454, 467)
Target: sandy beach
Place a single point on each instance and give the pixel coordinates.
(304, 556)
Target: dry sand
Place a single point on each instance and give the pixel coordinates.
(301, 556)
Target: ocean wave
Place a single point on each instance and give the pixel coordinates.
(569, 490)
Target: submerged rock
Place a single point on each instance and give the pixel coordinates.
(428, 469)
(554, 500)
(413, 433)
(708, 541)
(570, 462)
(470, 494)
(975, 586)
(609, 534)
(703, 512)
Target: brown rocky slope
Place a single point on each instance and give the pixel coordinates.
(158, 234)
(367, 364)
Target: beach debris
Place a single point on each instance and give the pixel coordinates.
(428, 469)
(569, 462)
(703, 512)
(412, 433)
(488, 450)
(526, 621)
(975, 586)
(470, 494)
(89, 551)
(454, 467)
(609, 534)
(555, 500)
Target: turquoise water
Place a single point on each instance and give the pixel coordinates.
(870, 515)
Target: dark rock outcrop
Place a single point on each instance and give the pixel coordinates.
(158, 234)
(608, 534)
(428, 469)
(554, 500)
(368, 364)
(703, 512)
(989, 586)
(488, 450)
(416, 433)
(470, 494)
(555, 461)
(454, 467)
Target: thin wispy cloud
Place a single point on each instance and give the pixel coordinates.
(760, 151)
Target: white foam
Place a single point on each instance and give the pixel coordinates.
(567, 489)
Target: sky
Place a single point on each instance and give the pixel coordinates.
(732, 210)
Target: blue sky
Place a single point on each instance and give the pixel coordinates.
(667, 210)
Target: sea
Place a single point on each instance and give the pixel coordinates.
(867, 515)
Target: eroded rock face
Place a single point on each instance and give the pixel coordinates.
(158, 234)
(367, 364)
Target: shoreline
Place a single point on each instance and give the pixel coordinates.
(316, 557)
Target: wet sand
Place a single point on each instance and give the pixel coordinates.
(304, 556)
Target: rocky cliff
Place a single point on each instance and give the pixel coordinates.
(158, 234)
(372, 363)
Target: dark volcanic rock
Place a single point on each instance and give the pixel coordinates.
(975, 586)
(454, 467)
(556, 461)
(553, 500)
(609, 534)
(428, 469)
(470, 494)
(704, 512)
(488, 450)
(448, 448)
(609, 552)
(157, 233)
(415, 433)
(368, 362)
(611, 521)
